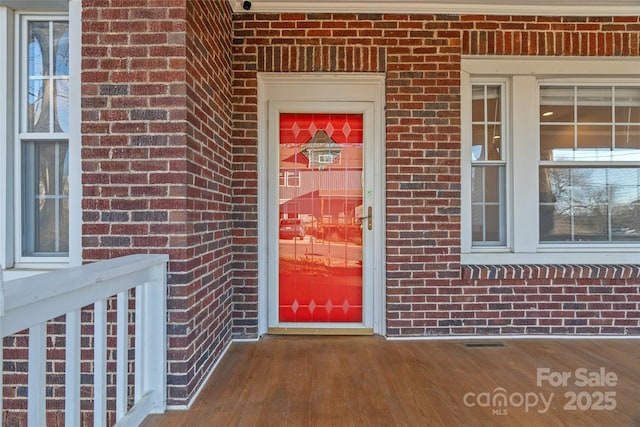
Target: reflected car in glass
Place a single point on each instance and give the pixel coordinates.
(291, 228)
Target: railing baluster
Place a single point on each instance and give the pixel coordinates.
(100, 364)
(121, 354)
(139, 350)
(72, 370)
(155, 311)
(36, 393)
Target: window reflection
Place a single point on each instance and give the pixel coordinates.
(48, 87)
(592, 133)
(62, 70)
(599, 199)
(590, 204)
(46, 198)
(36, 85)
(44, 157)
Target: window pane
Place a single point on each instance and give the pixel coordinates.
(592, 137)
(477, 104)
(477, 184)
(494, 110)
(589, 204)
(556, 104)
(627, 101)
(63, 225)
(488, 204)
(62, 106)
(38, 109)
(494, 143)
(38, 49)
(625, 204)
(556, 142)
(61, 48)
(45, 195)
(47, 108)
(477, 218)
(61, 95)
(487, 123)
(591, 223)
(37, 71)
(477, 144)
(594, 104)
(628, 142)
(492, 185)
(492, 220)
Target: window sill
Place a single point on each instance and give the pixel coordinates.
(556, 256)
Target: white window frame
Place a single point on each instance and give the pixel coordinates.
(524, 76)
(11, 17)
(505, 145)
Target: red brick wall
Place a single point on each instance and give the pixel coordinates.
(205, 305)
(156, 161)
(428, 291)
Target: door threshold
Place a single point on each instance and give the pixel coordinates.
(320, 331)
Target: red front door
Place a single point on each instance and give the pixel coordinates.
(320, 210)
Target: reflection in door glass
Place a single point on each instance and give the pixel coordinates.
(320, 211)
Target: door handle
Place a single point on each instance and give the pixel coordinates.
(369, 218)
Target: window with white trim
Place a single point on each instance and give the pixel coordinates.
(43, 137)
(589, 163)
(38, 140)
(488, 165)
(551, 161)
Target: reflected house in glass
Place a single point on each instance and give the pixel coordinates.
(321, 182)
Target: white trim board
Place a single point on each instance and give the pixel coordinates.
(322, 87)
(461, 7)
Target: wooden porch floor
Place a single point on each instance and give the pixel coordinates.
(369, 381)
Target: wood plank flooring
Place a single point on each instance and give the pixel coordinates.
(369, 381)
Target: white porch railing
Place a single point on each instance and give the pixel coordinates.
(29, 303)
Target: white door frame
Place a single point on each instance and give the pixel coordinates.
(278, 88)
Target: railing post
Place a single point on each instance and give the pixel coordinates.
(156, 307)
(72, 370)
(151, 303)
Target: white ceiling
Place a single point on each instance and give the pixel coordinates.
(484, 7)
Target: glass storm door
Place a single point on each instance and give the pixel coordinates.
(322, 220)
